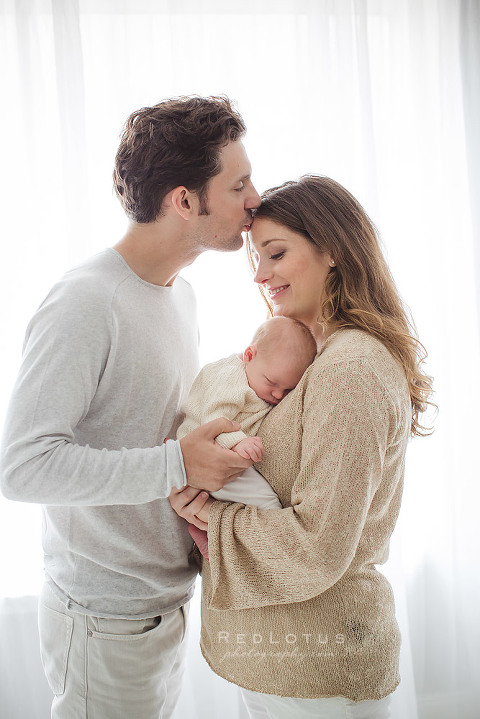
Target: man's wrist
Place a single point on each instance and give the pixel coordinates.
(175, 464)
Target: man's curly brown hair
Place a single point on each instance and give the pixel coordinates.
(174, 143)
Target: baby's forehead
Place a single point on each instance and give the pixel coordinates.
(287, 367)
(287, 373)
(286, 377)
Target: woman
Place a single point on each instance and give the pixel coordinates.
(294, 610)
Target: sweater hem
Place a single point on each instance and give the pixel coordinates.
(263, 690)
(77, 608)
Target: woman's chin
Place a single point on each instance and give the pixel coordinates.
(285, 311)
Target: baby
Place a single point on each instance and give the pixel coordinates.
(244, 388)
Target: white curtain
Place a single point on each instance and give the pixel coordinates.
(382, 95)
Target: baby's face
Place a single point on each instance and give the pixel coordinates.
(271, 378)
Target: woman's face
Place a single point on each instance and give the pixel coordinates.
(291, 269)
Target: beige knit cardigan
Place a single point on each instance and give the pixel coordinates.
(292, 601)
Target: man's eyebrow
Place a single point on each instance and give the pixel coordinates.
(245, 177)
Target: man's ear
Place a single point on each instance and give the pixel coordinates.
(183, 201)
(249, 353)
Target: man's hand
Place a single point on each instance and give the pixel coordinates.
(250, 448)
(209, 466)
(192, 504)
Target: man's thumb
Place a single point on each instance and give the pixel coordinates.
(220, 425)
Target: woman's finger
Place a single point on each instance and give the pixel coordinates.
(200, 538)
(198, 523)
(188, 502)
(191, 509)
(183, 496)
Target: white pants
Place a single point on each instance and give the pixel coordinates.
(111, 668)
(268, 706)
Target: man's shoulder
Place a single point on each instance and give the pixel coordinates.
(92, 282)
(83, 294)
(102, 271)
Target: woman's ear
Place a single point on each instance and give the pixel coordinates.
(249, 353)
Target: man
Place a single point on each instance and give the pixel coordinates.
(109, 357)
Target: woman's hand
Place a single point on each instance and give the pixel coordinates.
(191, 504)
(200, 537)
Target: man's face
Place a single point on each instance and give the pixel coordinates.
(230, 199)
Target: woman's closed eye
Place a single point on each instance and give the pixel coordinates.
(278, 255)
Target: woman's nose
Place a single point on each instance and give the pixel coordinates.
(261, 275)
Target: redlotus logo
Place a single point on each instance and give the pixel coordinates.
(272, 639)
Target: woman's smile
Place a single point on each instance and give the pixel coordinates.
(274, 291)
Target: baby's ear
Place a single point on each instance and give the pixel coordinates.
(249, 353)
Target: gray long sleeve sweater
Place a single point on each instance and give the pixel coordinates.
(108, 361)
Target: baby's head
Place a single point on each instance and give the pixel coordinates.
(280, 352)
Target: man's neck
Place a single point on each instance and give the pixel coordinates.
(155, 252)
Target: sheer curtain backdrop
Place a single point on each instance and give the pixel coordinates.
(382, 95)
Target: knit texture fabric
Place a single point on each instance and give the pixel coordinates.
(221, 390)
(292, 602)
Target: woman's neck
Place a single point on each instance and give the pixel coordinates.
(322, 333)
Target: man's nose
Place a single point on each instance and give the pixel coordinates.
(253, 200)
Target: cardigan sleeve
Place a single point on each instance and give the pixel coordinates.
(279, 556)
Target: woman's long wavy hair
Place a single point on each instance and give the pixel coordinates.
(359, 290)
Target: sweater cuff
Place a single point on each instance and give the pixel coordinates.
(228, 440)
(175, 465)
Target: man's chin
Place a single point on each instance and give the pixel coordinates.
(236, 243)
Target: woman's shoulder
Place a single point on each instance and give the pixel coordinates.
(354, 346)
(360, 356)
